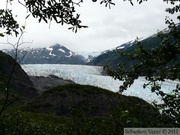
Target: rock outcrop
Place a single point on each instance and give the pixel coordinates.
(15, 78)
(42, 83)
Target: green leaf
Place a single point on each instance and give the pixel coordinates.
(1, 35)
(2, 87)
(23, 27)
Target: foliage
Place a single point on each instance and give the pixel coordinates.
(157, 65)
(8, 22)
(22, 123)
(15, 121)
(62, 12)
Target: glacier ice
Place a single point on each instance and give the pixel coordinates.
(92, 75)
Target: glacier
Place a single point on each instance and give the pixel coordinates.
(92, 75)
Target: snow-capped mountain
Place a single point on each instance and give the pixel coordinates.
(112, 58)
(56, 54)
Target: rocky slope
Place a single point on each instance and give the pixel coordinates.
(42, 83)
(19, 82)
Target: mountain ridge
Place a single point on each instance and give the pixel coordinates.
(112, 57)
(55, 54)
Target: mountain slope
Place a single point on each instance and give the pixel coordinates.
(56, 54)
(112, 58)
(20, 84)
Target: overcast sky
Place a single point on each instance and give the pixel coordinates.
(108, 28)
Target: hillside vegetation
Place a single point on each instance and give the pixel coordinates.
(74, 109)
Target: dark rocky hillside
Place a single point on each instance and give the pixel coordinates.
(20, 84)
(56, 54)
(91, 101)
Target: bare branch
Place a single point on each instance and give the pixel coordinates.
(22, 3)
(78, 3)
(19, 42)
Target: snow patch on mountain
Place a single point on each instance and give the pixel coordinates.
(125, 45)
(70, 54)
(50, 49)
(61, 50)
